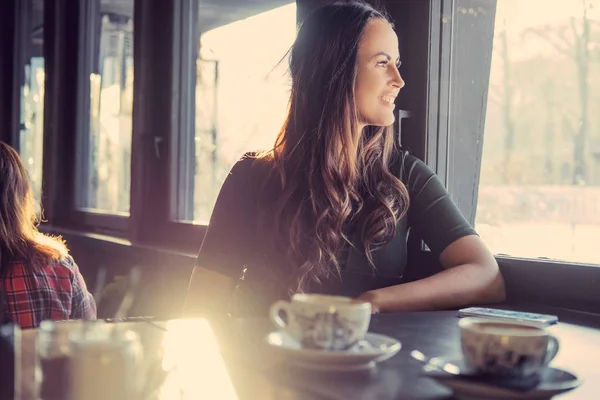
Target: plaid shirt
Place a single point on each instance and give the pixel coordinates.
(56, 292)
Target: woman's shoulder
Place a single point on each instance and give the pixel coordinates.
(250, 175)
(256, 159)
(253, 167)
(68, 262)
(62, 268)
(65, 266)
(408, 167)
(53, 246)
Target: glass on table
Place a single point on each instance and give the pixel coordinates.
(52, 358)
(106, 362)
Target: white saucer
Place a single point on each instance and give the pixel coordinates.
(553, 382)
(379, 348)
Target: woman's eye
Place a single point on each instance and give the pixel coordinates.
(382, 63)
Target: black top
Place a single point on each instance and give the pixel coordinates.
(234, 244)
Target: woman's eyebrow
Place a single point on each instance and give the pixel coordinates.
(382, 53)
(386, 55)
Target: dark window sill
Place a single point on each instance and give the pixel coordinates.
(504, 258)
(111, 242)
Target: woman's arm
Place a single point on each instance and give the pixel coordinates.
(208, 294)
(471, 276)
(83, 304)
(227, 245)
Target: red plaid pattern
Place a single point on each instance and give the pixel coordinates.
(56, 292)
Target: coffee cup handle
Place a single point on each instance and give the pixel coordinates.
(553, 348)
(276, 308)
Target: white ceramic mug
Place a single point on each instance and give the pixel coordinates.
(322, 321)
(505, 348)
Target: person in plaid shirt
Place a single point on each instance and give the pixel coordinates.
(39, 280)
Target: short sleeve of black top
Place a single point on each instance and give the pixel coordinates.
(233, 238)
(229, 240)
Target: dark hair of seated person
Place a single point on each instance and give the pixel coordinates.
(330, 207)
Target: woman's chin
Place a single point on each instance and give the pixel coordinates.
(381, 120)
(385, 121)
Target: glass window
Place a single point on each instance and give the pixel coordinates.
(539, 191)
(107, 155)
(242, 92)
(31, 135)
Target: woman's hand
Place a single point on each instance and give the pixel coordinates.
(373, 298)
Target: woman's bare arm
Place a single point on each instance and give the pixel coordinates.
(471, 276)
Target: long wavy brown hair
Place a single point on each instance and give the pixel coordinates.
(20, 240)
(331, 174)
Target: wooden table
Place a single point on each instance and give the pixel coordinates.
(232, 362)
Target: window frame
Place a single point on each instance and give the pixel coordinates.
(439, 104)
(158, 138)
(7, 52)
(17, 41)
(86, 59)
(159, 225)
(15, 21)
(466, 144)
(60, 46)
(528, 280)
(185, 50)
(156, 134)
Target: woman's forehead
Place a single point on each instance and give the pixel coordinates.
(379, 37)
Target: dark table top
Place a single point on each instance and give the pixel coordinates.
(233, 362)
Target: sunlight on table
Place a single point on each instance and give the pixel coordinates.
(192, 353)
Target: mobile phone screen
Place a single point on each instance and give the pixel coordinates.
(508, 315)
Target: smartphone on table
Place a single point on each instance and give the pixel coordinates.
(508, 315)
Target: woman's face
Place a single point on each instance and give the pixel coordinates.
(378, 80)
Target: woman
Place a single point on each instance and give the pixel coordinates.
(330, 207)
(38, 278)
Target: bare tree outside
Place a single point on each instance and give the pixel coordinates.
(575, 41)
(540, 176)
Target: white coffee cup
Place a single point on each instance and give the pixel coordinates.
(504, 348)
(322, 321)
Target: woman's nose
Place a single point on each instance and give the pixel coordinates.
(397, 81)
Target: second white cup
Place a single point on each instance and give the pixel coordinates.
(322, 321)
(506, 348)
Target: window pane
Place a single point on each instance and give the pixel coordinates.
(242, 90)
(108, 159)
(31, 138)
(539, 194)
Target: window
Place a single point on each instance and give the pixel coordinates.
(32, 97)
(241, 97)
(104, 184)
(539, 190)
